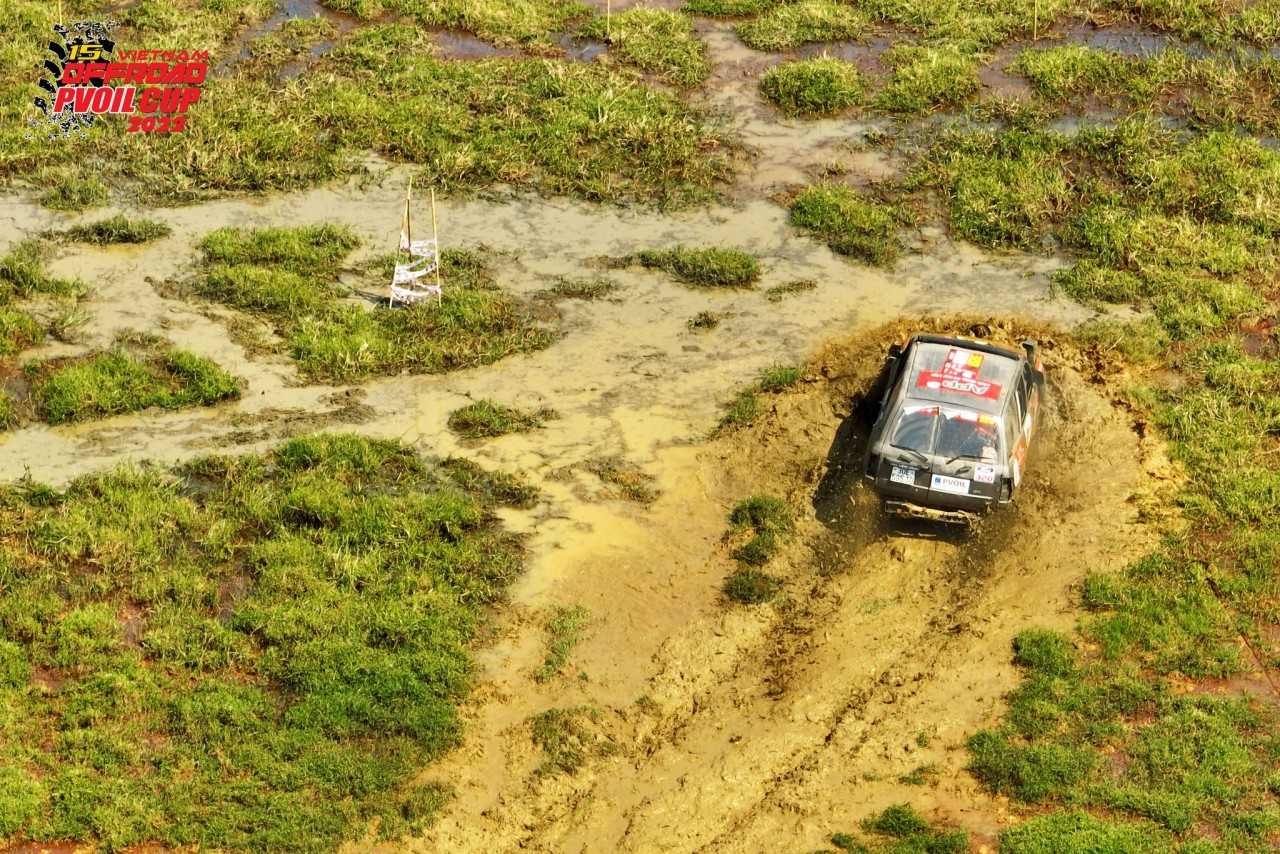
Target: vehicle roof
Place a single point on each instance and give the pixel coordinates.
(982, 387)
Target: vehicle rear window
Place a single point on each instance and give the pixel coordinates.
(959, 434)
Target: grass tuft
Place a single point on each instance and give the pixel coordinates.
(716, 267)
(23, 274)
(73, 191)
(563, 631)
(752, 587)
(120, 229)
(484, 419)
(770, 522)
(654, 40)
(926, 79)
(775, 378)
(790, 25)
(848, 223)
(814, 87)
(566, 740)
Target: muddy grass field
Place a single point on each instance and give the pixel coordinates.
(578, 557)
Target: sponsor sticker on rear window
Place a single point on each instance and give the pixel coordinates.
(960, 374)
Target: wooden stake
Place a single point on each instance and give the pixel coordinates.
(436, 239)
(608, 16)
(1035, 22)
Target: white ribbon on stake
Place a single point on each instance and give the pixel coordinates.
(424, 258)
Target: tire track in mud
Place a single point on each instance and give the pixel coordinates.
(796, 726)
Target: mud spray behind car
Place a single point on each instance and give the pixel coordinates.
(954, 427)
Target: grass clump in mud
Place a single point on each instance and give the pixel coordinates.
(123, 381)
(752, 587)
(489, 487)
(770, 522)
(703, 320)
(926, 79)
(23, 274)
(790, 25)
(584, 290)
(566, 739)
(654, 40)
(849, 223)
(71, 191)
(776, 378)
(632, 483)
(563, 630)
(777, 292)
(256, 653)
(899, 829)
(485, 419)
(8, 410)
(814, 87)
(289, 275)
(120, 229)
(714, 267)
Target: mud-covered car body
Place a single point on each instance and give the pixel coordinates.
(954, 427)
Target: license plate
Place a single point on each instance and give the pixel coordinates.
(903, 475)
(958, 485)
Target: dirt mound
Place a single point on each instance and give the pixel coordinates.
(890, 646)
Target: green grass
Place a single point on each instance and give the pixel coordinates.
(566, 739)
(563, 630)
(926, 79)
(703, 320)
(814, 87)
(751, 586)
(120, 229)
(23, 274)
(289, 275)
(654, 40)
(770, 522)
(776, 378)
(777, 292)
(18, 331)
(249, 653)
(849, 223)
(8, 411)
(744, 409)
(584, 290)
(790, 25)
(727, 8)
(485, 418)
(69, 191)
(899, 829)
(119, 382)
(557, 127)
(715, 267)
(490, 487)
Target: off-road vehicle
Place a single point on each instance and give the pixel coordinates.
(954, 427)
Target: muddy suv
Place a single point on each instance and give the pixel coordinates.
(955, 423)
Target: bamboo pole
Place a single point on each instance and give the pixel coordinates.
(1035, 22)
(608, 17)
(435, 238)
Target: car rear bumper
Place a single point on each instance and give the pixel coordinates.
(898, 507)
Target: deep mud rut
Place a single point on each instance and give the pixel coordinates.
(731, 728)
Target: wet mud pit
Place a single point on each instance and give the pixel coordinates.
(730, 727)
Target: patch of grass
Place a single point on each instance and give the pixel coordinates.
(18, 331)
(485, 418)
(751, 586)
(776, 378)
(633, 483)
(848, 223)
(1059, 72)
(289, 275)
(926, 79)
(727, 8)
(715, 267)
(814, 87)
(790, 25)
(563, 630)
(119, 382)
(72, 191)
(8, 410)
(120, 229)
(744, 409)
(1078, 831)
(969, 27)
(489, 487)
(770, 522)
(257, 653)
(703, 320)
(899, 829)
(777, 292)
(23, 274)
(655, 40)
(592, 290)
(566, 740)
(579, 129)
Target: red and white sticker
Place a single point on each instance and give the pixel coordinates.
(957, 485)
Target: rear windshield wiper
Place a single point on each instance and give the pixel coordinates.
(919, 456)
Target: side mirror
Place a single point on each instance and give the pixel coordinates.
(1030, 348)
